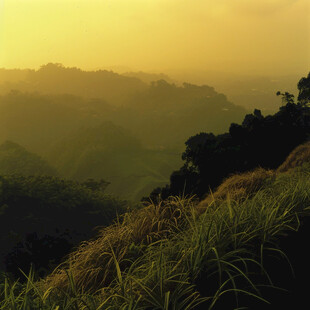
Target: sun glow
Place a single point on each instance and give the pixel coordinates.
(237, 36)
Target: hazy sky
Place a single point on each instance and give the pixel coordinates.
(241, 36)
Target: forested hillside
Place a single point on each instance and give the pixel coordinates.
(14, 159)
(56, 79)
(110, 152)
(99, 124)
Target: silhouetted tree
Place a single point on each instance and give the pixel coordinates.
(286, 97)
(258, 141)
(304, 90)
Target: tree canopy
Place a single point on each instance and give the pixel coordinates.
(43, 217)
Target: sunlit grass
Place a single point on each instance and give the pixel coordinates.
(174, 255)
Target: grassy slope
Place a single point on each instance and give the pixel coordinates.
(177, 256)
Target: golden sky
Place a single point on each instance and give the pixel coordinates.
(240, 36)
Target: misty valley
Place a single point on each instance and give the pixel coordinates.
(103, 125)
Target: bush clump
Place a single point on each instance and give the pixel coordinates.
(43, 217)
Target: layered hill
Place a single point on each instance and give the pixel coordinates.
(156, 119)
(160, 114)
(56, 79)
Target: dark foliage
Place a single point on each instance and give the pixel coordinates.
(43, 253)
(304, 90)
(42, 218)
(258, 142)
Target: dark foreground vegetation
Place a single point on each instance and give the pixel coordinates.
(42, 218)
(221, 253)
(229, 232)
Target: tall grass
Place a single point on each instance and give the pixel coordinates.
(174, 256)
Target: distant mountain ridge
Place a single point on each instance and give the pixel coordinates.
(57, 79)
(149, 77)
(116, 84)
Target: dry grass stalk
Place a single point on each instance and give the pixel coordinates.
(92, 264)
(297, 157)
(238, 186)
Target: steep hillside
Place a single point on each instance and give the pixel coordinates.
(225, 256)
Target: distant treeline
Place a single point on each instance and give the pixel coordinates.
(56, 79)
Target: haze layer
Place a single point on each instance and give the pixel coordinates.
(266, 36)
